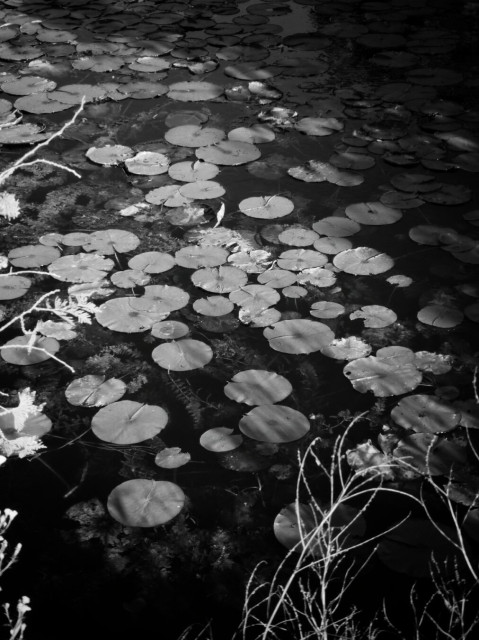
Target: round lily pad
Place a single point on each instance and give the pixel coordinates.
(192, 135)
(374, 316)
(425, 414)
(152, 262)
(229, 152)
(168, 296)
(219, 279)
(194, 257)
(274, 423)
(169, 330)
(220, 440)
(128, 422)
(109, 155)
(213, 306)
(300, 259)
(182, 355)
(122, 314)
(172, 458)
(363, 261)
(147, 163)
(438, 315)
(383, 376)
(94, 391)
(110, 241)
(266, 207)
(298, 336)
(19, 351)
(194, 91)
(12, 286)
(258, 387)
(336, 227)
(81, 267)
(372, 213)
(145, 503)
(33, 255)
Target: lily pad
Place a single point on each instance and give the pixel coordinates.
(32, 256)
(182, 355)
(145, 503)
(220, 440)
(192, 135)
(229, 152)
(19, 351)
(219, 279)
(298, 336)
(94, 391)
(172, 458)
(122, 314)
(152, 262)
(363, 261)
(194, 91)
(274, 423)
(127, 422)
(12, 286)
(110, 155)
(372, 213)
(384, 376)
(148, 163)
(258, 387)
(425, 414)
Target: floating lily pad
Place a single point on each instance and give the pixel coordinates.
(194, 91)
(213, 306)
(372, 213)
(219, 279)
(172, 458)
(182, 355)
(220, 440)
(145, 503)
(300, 259)
(188, 171)
(148, 163)
(173, 298)
(425, 414)
(274, 423)
(124, 315)
(32, 255)
(12, 287)
(384, 376)
(110, 155)
(127, 422)
(363, 261)
(20, 351)
(81, 267)
(94, 391)
(326, 309)
(229, 152)
(110, 241)
(258, 387)
(336, 227)
(130, 278)
(194, 257)
(298, 336)
(192, 135)
(349, 348)
(440, 316)
(255, 297)
(429, 454)
(152, 262)
(169, 330)
(202, 190)
(374, 316)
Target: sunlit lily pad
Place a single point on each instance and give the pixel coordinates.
(12, 286)
(172, 458)
(152, 262)
(94, 391)
(172, 297)
(213, 306)
(349, 348)
(20, 351)
(32, 256)
(374, 316)
(147, 163)
(326, 309)
(219, 279)
(298, 336)
(169, 330)
(274, 423)
(258, 387)
(194, 257)
(191, 135)
(220, 440)
(145, 503)
(425, 414)
(122, 314)
(128, 422)
(299, 259)
(188, 171)
(363, 261)
(194, 91)
(384, 376)
(336, 227)
(229, 152)
(372, 213)
(110, 155)
(129, 278)
(81, 267)
(182, 355)
(440, 316)
(110, 241)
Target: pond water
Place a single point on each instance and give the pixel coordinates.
(246, 271)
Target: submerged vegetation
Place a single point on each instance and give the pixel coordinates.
(238, 308)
